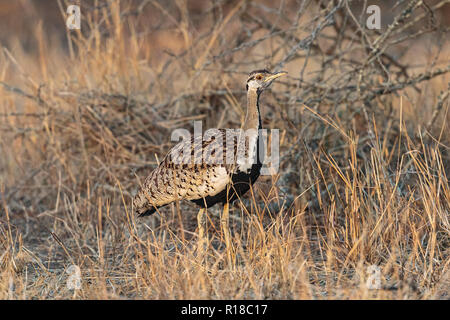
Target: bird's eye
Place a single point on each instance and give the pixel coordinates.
(258, 77)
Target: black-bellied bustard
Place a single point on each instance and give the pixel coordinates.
(208, 171)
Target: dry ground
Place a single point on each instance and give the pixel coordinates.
(364, 149)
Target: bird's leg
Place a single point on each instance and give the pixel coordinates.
(202, 240)
(224, 221)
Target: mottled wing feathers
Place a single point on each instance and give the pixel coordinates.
(193, 169)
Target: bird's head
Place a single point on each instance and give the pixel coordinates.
(262, 79)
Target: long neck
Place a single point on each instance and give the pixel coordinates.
(252, 118)
(248, 149)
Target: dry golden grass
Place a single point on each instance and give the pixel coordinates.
(363, 175)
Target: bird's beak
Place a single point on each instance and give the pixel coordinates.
(274, 76)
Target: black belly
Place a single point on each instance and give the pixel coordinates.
(241, 184)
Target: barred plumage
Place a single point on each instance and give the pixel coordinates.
(187, 177)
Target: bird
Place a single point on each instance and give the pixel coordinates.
(210, 171)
